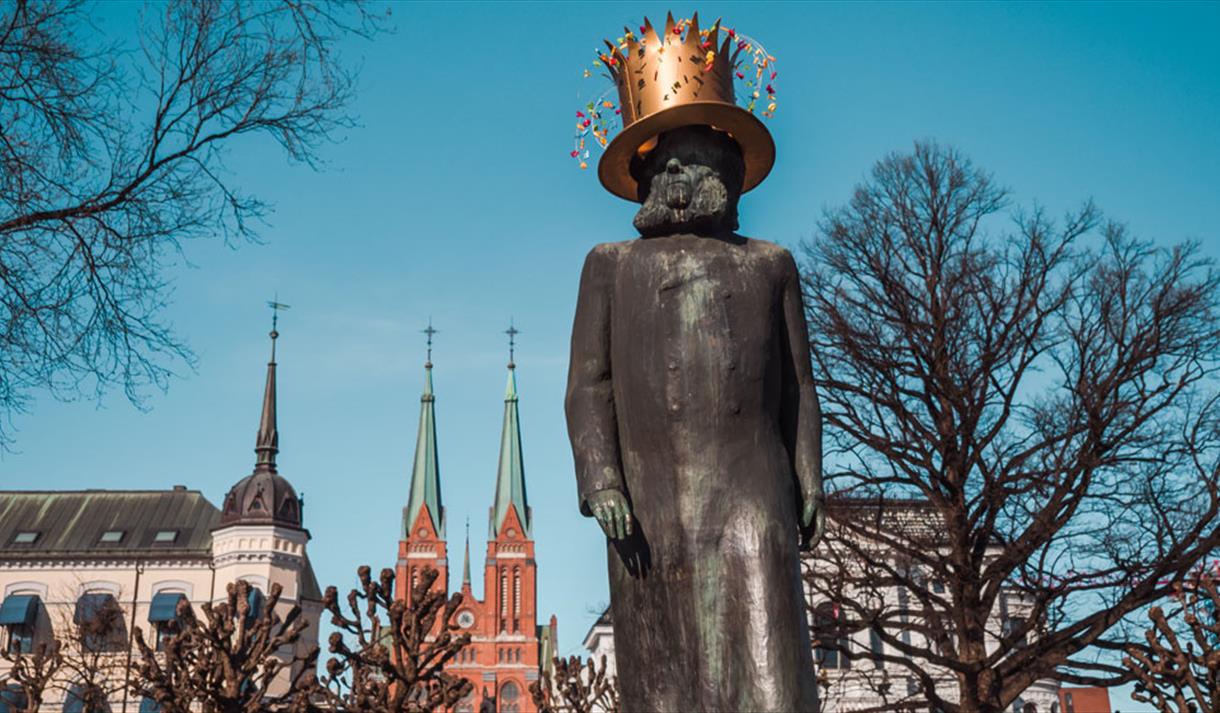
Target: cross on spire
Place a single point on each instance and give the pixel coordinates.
(512, 333)
(429, 331)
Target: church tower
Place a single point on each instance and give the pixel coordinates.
(422, 540)
(506, 644)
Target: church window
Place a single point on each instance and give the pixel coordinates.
(510, 698)
(828, 623)
(504, 599)
(516, 598)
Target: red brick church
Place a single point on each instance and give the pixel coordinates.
(507, 644)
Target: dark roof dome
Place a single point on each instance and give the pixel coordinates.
(262, 498)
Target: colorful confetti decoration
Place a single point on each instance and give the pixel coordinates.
(600, 118)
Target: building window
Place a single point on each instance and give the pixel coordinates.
(516, 598)
(99, 620)
(25, 537)
(827, 628)
(510, 698)
(1068, 705)
(19, 617)
(84, 698)
(12, 698)
(876, 646)
(111, 537)
(1012, 625)
(166, 536)
(504, 599)
(254, 599)
(163, 615)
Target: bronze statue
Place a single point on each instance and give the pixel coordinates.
(691, 405)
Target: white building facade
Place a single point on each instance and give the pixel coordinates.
(66, 556)
(846, 685)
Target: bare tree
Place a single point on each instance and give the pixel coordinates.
(110, 161)
(1045, 390)
(92, 646)
(400, 647)
(1179, 678)
(231, 661)
(30, 675)
(570, 686)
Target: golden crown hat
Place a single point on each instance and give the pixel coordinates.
(682, 77)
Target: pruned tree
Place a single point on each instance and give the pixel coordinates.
(390, 654)
(30, 675)
(1178, 670)
(234, 660)
(1041, 394)
(573, 686)
(111, 161)
(92, 647)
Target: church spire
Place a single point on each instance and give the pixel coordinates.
(268, 443)
(510, 477)
(425, 475)
(466, 561)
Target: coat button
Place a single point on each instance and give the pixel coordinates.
(673, 365)
(732, 366)
(673, 407)
(734, 407)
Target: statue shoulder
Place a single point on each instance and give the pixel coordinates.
(775, 254)
(607, 254)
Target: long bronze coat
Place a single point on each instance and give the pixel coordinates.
(690, 390)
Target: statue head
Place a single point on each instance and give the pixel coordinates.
(689, 183)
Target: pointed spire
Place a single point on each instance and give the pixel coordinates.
(268, 443)
(466, 561)
(425, 475)
(510, 477)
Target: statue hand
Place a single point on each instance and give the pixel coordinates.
(612, 513)
(813, 519)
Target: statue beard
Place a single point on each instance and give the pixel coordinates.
(691, 200)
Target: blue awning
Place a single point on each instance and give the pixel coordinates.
(12, 699)
(255, 599)
(164, 606)
(75, 702)
(19, 609)
(88, 606)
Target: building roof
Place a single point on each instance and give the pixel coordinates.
(425, 474)
(510, 476)
(603, 621)
(71, 523)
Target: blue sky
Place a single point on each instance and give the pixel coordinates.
(457, 199)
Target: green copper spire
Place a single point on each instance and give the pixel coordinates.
(510, 478)
(466, 561)
(425, 476)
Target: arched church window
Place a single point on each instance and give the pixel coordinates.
(516, 598)
(828, 622)
(510, 698)
(504, 599)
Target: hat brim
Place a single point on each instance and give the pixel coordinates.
(757, 146)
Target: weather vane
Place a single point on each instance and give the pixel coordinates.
(276, 307)
(512, 333)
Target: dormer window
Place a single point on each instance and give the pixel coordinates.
(166, 536)
(26, 537)
(111, 537)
